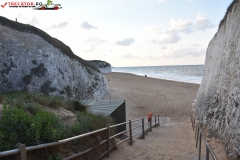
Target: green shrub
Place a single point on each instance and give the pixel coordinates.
(74, 105)
(91, 122)
(45, 127)
(23, 121)
(79, 106)
(12, 127)
(31, 108)
(18, 126)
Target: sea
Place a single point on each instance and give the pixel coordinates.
(181, 73)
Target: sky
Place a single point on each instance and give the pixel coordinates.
(129, 32)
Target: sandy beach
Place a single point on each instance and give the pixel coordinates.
(142, 95)
(166, 99)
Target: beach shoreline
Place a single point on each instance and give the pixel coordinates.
(153, 77)
(165, 98)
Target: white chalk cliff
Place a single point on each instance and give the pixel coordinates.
(103, 66)
(34, 61)
(217, 103)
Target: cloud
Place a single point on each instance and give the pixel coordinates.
(171, 35)
(94, 42)
(60, 25)
(160, 1)
(185, 52)
(154, 28)
(215, 29)
(203, 23)
(86, 25)
(129, 56)
(151, 57)
(180, 25)
(167, 37)
(125, 42)
(33, 21)
(163, 48)
(194, 45)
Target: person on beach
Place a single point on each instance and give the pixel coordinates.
(145, 75)
(149, 118)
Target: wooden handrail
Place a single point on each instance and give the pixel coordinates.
(199, 136)
(22, 149)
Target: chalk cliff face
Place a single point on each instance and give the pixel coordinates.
(218, 99)
(103, 66)
(32, 60)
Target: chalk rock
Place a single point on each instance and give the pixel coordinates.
(103, 66)
(218, 98)
(34, 61)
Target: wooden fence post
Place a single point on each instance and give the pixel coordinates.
(207, 153)
(130, 131)
(191, 121)
(155, 121)
(196, 131)
(197, 135)
(108, 142)
(193, 124)
(22, 151)
(143, 128)
(151, 124)
(200, 144)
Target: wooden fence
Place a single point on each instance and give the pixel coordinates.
(21, 149)
(199, 136)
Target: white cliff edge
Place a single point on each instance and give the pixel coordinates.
(218, 98)
(28, 62)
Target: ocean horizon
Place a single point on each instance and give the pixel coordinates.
(180, 73)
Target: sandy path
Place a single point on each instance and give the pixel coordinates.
(165, 98)
(164, 142)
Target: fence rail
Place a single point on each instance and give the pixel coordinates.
(199, 136)
(21, 149)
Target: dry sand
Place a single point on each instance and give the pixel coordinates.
(161, 97)
(142, 95)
